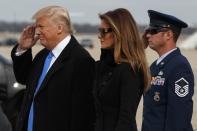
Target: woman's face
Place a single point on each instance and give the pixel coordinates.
(105, 35)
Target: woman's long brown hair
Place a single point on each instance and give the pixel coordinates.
(128, 46)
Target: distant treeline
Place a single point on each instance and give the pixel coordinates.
(79, 28)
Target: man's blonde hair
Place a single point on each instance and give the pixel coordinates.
(57, 14)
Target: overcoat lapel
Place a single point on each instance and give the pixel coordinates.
(59, 63)
(39, 67)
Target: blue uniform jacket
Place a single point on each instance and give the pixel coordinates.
(168, 104)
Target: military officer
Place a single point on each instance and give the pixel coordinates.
(168, 103)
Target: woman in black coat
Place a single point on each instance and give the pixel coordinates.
(121, 72)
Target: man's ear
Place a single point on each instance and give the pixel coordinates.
(60, 28)
(168, 34)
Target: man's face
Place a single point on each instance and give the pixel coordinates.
(47, 32)
(155, 38)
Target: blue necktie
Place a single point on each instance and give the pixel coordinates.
(44, 72)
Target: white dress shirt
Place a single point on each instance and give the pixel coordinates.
(164, 55)
(56, 51)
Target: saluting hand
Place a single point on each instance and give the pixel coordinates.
(144, 39)
(28, 38)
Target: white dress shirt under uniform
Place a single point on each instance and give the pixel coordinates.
(164, 55)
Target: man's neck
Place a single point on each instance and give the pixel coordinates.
(168, 47)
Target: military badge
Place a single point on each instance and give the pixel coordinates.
(182, 87)
(157, 96)
(160, 73)
(158, 81)
(162, 63)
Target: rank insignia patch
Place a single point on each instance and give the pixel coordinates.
(182, 87)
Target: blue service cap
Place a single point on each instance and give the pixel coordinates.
(161, 20)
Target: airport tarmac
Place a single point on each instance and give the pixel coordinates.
(151, 56)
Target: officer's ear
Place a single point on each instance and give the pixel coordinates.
(168, 34)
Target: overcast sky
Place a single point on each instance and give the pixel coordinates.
(86, 11)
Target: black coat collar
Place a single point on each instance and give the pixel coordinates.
(59, 63)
